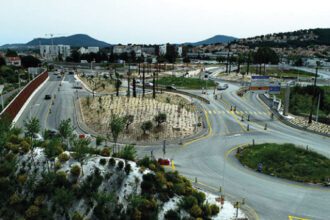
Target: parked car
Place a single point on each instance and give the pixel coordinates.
(47, 97)
(149, 84)
(223, 87)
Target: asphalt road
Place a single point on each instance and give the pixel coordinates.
(211, 158)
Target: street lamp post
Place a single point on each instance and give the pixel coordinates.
(313, 98)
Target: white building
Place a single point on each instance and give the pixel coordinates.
(119, 49)
(82, 50)
(52, 52)
(93, 49)
(162, 49)
(179, 50)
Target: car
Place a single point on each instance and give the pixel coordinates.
(71, 73)
(164, 162)
(149, 84)
(171, 87)
(47, 97)
(59, 76)
(225, 86)
(37, 137)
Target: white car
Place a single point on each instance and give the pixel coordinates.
(38, 137)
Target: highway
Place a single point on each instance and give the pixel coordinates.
(211, 159)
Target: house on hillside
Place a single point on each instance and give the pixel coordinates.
(13, 61)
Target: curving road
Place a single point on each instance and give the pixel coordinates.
(211, 159)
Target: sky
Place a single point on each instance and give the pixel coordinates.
(157, 21)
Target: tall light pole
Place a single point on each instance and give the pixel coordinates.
(314, 94)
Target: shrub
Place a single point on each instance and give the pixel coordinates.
(112, 162)
(61, 178)
(103, 161)
(77, 216)
(172, 215)
(99, 140)
(188, 202)
(15, 198)
(200, 196)
(32, 212)
(128, 153)
(58, 165)
(39, 200)
(128, 168)
(22, 179)
(25, 146)
(195, 211)
(214, 209)
(105, 152)
(63, 157)
(120, 165)
(75, 170)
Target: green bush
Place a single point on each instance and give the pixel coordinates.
(128, 153)
(128, 168)
(196, 211)
(75, 170)
(103, 161)
(214, 209)
(105, 152)
(112, 162)
(77, 216)
(120, 165)
(188, 202)
(172, 215)
(63, 157)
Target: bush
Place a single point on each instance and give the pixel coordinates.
(105, 152)
(39, 200)
(63, 157)
(15, 198)
(32, 212)
(75, 170)
(214, 209)
(61, 178)
(25, 146)
(128, 153)
(128, 168)
(112, 162)
(58, 165)
(99, 140)
(22, 179)
(77, 216)
(103, 161)
(172, 215)
(120, 165)
(196, 211)
(188, 202)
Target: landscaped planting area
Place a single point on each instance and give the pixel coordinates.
(181, 118)
(287, 161)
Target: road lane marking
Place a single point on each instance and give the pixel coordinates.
(297, 218)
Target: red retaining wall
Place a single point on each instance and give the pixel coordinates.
(15, 106)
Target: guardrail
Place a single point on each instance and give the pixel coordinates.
(15, 106)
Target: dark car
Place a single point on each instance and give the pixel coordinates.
(170, 87)
(47, 97)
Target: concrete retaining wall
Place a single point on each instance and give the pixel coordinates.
(14, 107)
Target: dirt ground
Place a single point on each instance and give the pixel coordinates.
(182, 118)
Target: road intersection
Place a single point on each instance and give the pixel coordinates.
(211, 159)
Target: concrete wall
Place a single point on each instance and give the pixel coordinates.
(14, 107)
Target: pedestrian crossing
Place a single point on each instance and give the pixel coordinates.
(221, 112)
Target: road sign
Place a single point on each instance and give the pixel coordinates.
(274, 89)
(259, 84)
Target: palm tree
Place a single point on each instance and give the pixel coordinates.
(65, 130)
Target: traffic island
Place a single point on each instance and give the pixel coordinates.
(286, 161)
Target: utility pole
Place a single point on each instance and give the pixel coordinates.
(143, 81)
(314, 94)
(287, 100)
(318, 108)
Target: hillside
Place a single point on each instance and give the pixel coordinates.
(43, 180)
(213, 40)
(77, 40)
(300, 38)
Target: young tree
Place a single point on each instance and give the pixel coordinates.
(128, 119)
(81, 150)
(32, 127)
(146, 126)
(65, 130)
(134, 88)
(160, 118)
(154, 85)
(143, 81)
(118, 84)
(116, 127)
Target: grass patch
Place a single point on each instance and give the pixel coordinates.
(187, 83)
(287, 161)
